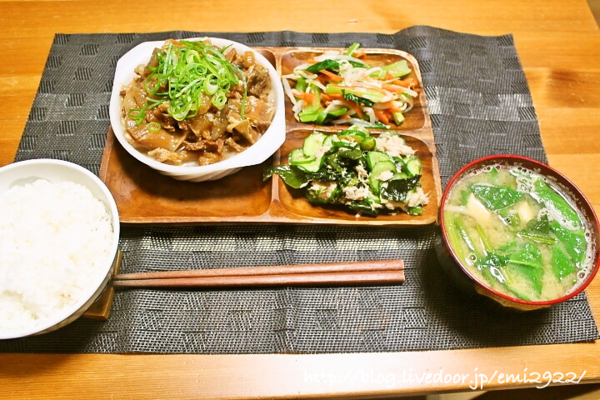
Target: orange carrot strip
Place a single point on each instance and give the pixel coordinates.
(388, 114)
(380, 114)
(355, 107)
(309, 97)
(331, 96)
(332, 77)
(323, 79)
(404, 83)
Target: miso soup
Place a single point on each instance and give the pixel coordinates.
(518, 233)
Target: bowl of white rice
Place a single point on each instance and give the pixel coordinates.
(59, 236)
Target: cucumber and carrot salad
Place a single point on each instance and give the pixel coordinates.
(335, 88)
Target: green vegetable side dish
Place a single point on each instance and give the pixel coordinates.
(516, 233)
(365, 174)
(343, 88)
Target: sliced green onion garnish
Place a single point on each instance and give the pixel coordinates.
(211, 85)
(153, 126)
(184, 72)
(138, 114)
(219, 99)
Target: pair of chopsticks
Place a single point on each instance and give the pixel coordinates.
(384, 272)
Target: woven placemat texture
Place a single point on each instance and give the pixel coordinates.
(480, 104)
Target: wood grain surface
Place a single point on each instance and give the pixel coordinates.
(558, 43)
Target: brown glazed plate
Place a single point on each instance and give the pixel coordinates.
(144, 196)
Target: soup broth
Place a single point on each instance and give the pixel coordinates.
(518, 233)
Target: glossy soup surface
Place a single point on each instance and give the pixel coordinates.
(517, 233)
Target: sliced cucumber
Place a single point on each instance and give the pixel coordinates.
(328, 141)
(378, 169)
(413, 166)
(297, 156)
(313, 143)
(312, 166)
(368, 143)
(354, 136)
(373, 157)
(399, 175)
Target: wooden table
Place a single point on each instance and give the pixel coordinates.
(559, 46)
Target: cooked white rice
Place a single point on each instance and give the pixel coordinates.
(55, 239)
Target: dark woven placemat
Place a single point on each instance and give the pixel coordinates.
(480, 104)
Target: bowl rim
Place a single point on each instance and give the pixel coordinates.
(251, 156)
(55, 320)
(581, 198)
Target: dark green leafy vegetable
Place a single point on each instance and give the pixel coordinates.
(397, 189)
(344, 169)
(357, 99)
(496, 197)
(574, 241)
(527, 263)
(333, 66)
(290, 174)
(551, 199)
(538, 230)
(562, 266)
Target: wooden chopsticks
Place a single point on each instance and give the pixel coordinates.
(384, 272)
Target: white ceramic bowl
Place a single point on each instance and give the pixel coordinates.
(269, 142)
(24, 172)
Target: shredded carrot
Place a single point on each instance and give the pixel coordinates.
(306, 97)
(355, 107)
(331, 96)
(404, 83)
(309, 97)
(389, 115)
(389, 76)
(381, 115)
(332, 77)
(323, 79)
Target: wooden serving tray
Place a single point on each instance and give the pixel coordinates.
(144, 196)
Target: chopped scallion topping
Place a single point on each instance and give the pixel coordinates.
(186, 70)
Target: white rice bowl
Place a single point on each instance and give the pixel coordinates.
(59, 232)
